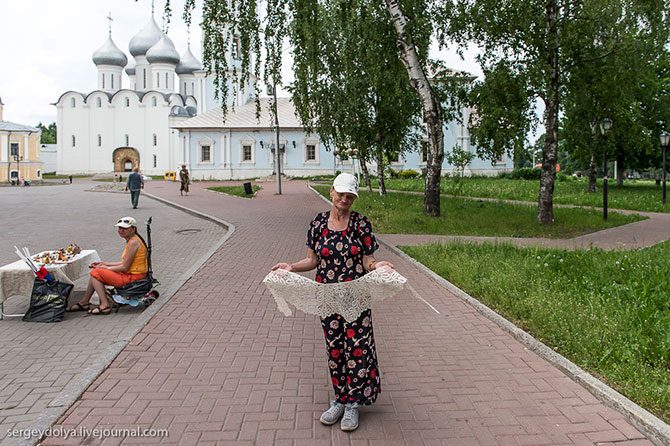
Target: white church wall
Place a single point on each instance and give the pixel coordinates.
(73, 134)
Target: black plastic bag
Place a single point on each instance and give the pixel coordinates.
(137, 288)
(48, 301)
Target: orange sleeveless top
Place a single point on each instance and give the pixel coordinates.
(139, 265)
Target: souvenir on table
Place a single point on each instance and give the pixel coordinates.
(62, 255)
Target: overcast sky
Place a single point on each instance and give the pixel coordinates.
(47, 48)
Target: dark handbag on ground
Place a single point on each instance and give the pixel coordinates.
(137, 288)
(48, 301)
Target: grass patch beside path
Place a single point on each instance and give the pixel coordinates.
(606, 311)
(235, 190)
(634, 195)
(399, 213)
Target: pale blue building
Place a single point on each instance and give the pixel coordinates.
(243, 147)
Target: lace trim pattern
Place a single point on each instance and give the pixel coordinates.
(348, 299)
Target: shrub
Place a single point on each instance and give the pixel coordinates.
(525, 173)
(408, 174)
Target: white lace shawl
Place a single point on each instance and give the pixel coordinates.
(348, 299)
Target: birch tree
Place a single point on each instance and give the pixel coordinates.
(225, 22)
(543, 44)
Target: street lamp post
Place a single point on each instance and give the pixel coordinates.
(605, 126)
(665, 141)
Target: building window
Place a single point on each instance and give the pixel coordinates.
(14, 149)
(74, 141)
(192, 89)
(73, 103)
(103, 80)
(166, 80)
(154, 102)
(310, 154)
(99, 140)
(112, 82)
(98, 102)
(205, 155)
(144, 77)
(39, 173)
(158, 80)
(127, 102)
(246, 152)
(127, 141)
(155, 140)
(155, 161)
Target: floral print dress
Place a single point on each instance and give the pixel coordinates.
(352, 359)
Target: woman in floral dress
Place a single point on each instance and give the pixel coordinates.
(341, 246)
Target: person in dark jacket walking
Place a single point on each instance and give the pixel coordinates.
(134, 184)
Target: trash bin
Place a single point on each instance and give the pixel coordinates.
(247, 189)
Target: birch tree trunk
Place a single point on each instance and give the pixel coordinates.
(380, 164)
(545, 211)
(366, 173)
(380, 172)
(620, 166)
(432, 111)
(592, 174)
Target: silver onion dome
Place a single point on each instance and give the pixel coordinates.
(109, 54)
(188, 63)
(163, 52)
(145, 39)
(130, 70)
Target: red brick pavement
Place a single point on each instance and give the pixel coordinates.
(220, 365)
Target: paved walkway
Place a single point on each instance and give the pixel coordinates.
(218, 364)
(43, 367)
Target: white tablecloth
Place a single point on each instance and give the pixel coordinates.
(16, 279)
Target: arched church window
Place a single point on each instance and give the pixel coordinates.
(166, 81)
(144, 77)
(127, 102)
(74, 141)
(103, 80)
(98, 102)
(112, 82)
(155, 139)
(192, 88)
(127, 141)
(154, 101)
(99, 140)
(155, 161)
(73, 103)
(158, 80)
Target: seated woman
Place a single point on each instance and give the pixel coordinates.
(133, 266)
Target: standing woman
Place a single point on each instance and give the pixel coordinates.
(185, 179)
(341, 246)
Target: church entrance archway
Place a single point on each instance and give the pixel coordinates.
(125, 159)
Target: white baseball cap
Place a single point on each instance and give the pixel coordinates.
(126, 222)
(346, 183)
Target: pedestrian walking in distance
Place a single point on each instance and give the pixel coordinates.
(185, 179)
(134, 184)
(341, 246)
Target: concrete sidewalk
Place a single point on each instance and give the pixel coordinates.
(220, 365)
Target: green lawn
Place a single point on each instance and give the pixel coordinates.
(399, 213)
(609, 312)
(634, 194)
(235, 190)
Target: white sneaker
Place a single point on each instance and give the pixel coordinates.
(333, 414)
(350, 419)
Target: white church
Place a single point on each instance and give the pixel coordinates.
(169, 116)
